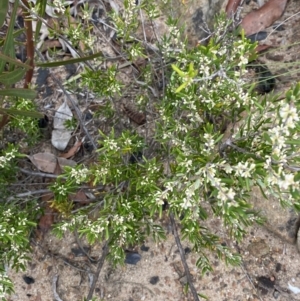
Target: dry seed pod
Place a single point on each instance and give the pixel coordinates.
(134, 115)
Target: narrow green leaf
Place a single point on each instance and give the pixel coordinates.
(41, 5)
(10, 78)
(8, 47)
(293, 142)
(3, 11)
(181, 73)
(14, 61)
(32, 114)
(71, 61)
(181, 87)
(24, 93)
(202, 296)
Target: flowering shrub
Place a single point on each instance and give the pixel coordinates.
(15, 227)
(213, 139)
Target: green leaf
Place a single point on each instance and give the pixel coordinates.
(23, 93)
(181, 87)
(181, 73)
(71, 61)
(293, 142)
(203, 296)
(10, 78)
(8, 47)
(41, 6)
(14, 61)
(32, 114)
(3, 11)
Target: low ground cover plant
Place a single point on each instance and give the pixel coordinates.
(207, 139)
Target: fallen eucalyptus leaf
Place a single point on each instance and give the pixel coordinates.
(45, 162)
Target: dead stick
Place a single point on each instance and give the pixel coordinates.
(77, 111)
(29, 44)
(99, 267)
(54, 283)
(181, 252)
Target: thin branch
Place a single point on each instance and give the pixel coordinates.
(29, 44)
(54, 283)
(182, 256)
(39, 174)
(77, 111)
(82, 248)
(99, 267)
(29, 193)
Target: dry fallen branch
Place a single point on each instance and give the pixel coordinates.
(182, 256)
(96, 275)
(55, 294)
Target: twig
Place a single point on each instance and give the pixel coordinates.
(29, 44)
(96, 275)
(182, 256)
(39, 174)
(137, 284)
(29, 193)
(54, 283)
(82, 248)
(77, 111)
(249, 278)
(245, 270)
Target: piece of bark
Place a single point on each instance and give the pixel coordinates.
(231, 7)
(263, 17)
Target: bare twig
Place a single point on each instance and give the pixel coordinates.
(54, 283)
(182, 256)
(77, 111)
(96, 275)
(137, 284)
(29, 193)
(29, 44)
(249, 278)
(37, 173)
(82, 248)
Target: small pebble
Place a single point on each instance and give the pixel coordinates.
(28, 279)
(154, 280)
(144, 248)
(132, 258)
(278, 27)
(259, 36)
(276, 294)
(43, 122)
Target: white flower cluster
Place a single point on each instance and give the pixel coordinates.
(209, 143)
(59, 6)
(280, 133)
(112, 145)
(4, 160)
(129, 13)
(3, 288)
(79, 176)
(280, 178)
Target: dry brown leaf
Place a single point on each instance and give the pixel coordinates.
(263, 47)
(231, 7)
(45, 162)
(134, 115)
(79, 197)
(47, 219)
(66, 162)
(50, 44)
(263, 17)
(72, 151)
